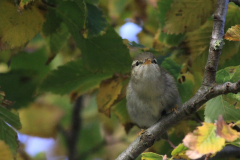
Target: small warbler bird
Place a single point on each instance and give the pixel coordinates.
(151, 92)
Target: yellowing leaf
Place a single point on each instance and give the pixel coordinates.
(204, 140)
(5, 152)
(198, 40)
(225, 131)
(108, 93)
(40, 120)
(16, 28)
(187, 15)
(180, 152)
(233, 33)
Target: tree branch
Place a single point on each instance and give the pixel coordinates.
(208, 90)
(236, 2)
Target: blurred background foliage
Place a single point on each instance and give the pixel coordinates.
(53, 51)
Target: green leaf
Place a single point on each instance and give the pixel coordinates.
(186, 15)
(173, 68)
(9, 136)
(52, 22)
(72, 76)
(180, 152)
(229, 74)
(235, 143)
(163, 7)
(27, 70)
(234, 61)
(11, 117)
(32, 62)
(18, 86)
(101, 53)
(151, 156)
(57, 40)
(120, 110)
(219, 106)
(96, 22)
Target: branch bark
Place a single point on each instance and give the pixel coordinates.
(208, 90)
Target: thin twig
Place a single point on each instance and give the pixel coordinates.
(236, 2)
(207, 91)
(75, 129)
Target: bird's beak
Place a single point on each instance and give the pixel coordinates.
(148, 61)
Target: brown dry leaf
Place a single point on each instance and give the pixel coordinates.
(5, 152)
(225, 131)
(16, 28)
(204, 140)
(233, 33)
(108, 93)
(40, 120)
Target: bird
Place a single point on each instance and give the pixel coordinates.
(151, 92)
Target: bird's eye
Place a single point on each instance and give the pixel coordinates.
(137, 63)
(154, 61)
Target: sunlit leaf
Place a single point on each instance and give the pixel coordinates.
(72, 76)
(108, 93)
(204, 140)
(233, 33)
(180, 152)
(188, 15)
(225, 131)
(16, 29)
(33, 122)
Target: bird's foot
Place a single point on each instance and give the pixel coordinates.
(175, 109)
(141, 132)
